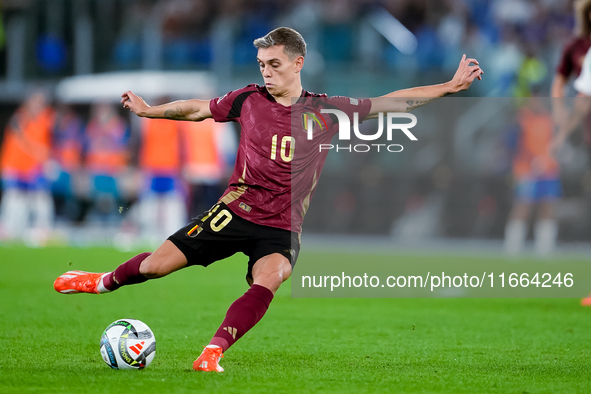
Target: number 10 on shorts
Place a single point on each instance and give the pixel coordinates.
(219, 221)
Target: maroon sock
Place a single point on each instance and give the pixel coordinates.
(242, 315)
(127, 273)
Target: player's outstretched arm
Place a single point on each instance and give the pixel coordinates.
(194, 110)
(581, 108)
(408, 99)
(559, 110)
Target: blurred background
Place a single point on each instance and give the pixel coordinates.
(77, 169)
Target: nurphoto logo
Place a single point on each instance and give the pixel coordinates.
(315, 120)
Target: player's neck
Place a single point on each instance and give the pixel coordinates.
(284, 98)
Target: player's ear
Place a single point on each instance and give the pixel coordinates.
(299, 63)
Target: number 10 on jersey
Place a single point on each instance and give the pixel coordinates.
(285, 153)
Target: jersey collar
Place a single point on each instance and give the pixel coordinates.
(271, 98)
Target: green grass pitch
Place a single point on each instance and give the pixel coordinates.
(49, 342)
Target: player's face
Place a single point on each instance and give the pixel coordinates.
(278, 70)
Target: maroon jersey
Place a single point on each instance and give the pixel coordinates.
(572, 57)
(570, 65)
(276, 169)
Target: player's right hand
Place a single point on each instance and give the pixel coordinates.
(134, 103)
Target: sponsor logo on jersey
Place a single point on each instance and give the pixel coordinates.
(244, 206)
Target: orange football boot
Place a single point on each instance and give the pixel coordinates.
(209, 361)
(586, 301)
(73, 282)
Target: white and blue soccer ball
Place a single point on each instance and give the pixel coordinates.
(128, 344)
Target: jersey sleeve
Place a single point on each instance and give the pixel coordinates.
(229, 106)
(565, 66)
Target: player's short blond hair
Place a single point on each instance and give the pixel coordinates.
(583, 24)
(293, 41)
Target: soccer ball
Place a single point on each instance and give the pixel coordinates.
(128, 344)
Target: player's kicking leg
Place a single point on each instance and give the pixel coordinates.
(165, 260)
(268, 274)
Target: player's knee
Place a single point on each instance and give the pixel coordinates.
(272, 276)
(285, 272)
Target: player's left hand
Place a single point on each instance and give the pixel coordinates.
(467, 72)
(134, 103)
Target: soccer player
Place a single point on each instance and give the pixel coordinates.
(260, 214)
(107, 155)
(575, 61)
(67, 153)
(571, 62)
(24, 156)
(581, 109)
(582, 106)
(161, 204)
(536, 177)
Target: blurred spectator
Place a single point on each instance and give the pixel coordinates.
(67, 153)
(26, 209)
(452, 33)
(530, 75)
(106, 154)
(536, 181)
(161, 206)
(181, 31)
(337, 15)
(127, 50)
(210, 152)
(185, 26)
